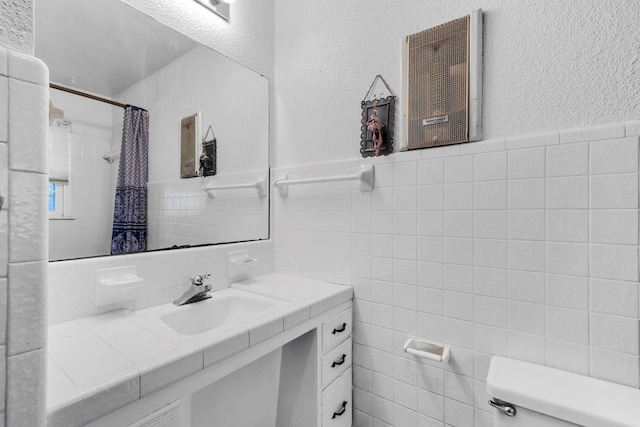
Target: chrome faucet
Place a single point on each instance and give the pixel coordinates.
(197, 292)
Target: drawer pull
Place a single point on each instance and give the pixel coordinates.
(339, 362)
(341, 411)
(342, 328)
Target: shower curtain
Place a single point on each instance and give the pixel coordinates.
(130, 209)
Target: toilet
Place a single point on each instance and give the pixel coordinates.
(527, 395)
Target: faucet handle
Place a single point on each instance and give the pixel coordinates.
(197, 280)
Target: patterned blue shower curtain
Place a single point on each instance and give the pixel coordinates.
(130, 210)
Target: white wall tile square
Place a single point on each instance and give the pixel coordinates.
(614, 191)
(27, 126)
(568, 160)
(527, 347)
(491, 282)
(568, 193)
(404, 247)
(614, 333)
(614, 297)
(430, 171)
(490, 253)
(28, 216)
(404, 174)
(527, 317)
(491, 311)
(431, 275)
(458, 278)
(491, 166)
(491, 224)
(568, 226)
(430, 301)
(568, 356)
(458, 251)
(615, 262)
(568, 291)
(458, 196)
(527, 194)
(527, 224)
(616, 367)
(404, 198)
(617, 156)
(614, 226)
(526, 255)
(404, 222)
(431, 249)
(529, 163)
(430, 197)
(568, 258)
(458, 224)
(458, 305)
(568, 325)
(527, 287)
(458, 169)
(430, 223)
(491, 195)
(384, 175)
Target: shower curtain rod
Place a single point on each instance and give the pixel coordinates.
(87, 95)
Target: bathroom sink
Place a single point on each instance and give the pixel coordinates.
(225, 307)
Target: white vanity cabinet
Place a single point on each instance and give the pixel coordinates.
(336, 378)
(292, 365)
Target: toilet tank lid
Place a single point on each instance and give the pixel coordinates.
(571, 397)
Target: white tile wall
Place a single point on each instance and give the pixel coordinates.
(23, 246)
(71, 291)
(527, 249)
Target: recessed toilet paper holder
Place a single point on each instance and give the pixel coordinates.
(427, 350)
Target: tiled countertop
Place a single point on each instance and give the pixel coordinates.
(100, 363)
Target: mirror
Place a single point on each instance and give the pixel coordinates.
(111, 51)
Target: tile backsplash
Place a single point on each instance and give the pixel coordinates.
(526, 248)
(72, 284)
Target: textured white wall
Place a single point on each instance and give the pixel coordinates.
(16, 25)
(547, 65)
(247, 38)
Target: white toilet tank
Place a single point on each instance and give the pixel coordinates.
(539, 396)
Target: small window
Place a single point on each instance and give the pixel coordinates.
(59, 200)
(59, 183)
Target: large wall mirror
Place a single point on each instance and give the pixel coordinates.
(113, 52)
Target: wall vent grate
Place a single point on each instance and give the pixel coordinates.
(438, 85)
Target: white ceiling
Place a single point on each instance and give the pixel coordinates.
(105, 45)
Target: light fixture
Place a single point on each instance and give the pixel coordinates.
(219, 7)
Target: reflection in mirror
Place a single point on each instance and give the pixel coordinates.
(115, 53)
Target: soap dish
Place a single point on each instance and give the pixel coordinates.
(116, 285)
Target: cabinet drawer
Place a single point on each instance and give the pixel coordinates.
(335, 330)
(337, 402)
(336, 362)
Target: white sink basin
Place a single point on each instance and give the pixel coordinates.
(228, 306)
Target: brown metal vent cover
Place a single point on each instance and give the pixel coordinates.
(438, 85)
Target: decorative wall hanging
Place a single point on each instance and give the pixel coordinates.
(190, 129)
(443, 84)
(378, 114)
(208, 157)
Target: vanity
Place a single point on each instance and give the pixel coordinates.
(280, 354)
